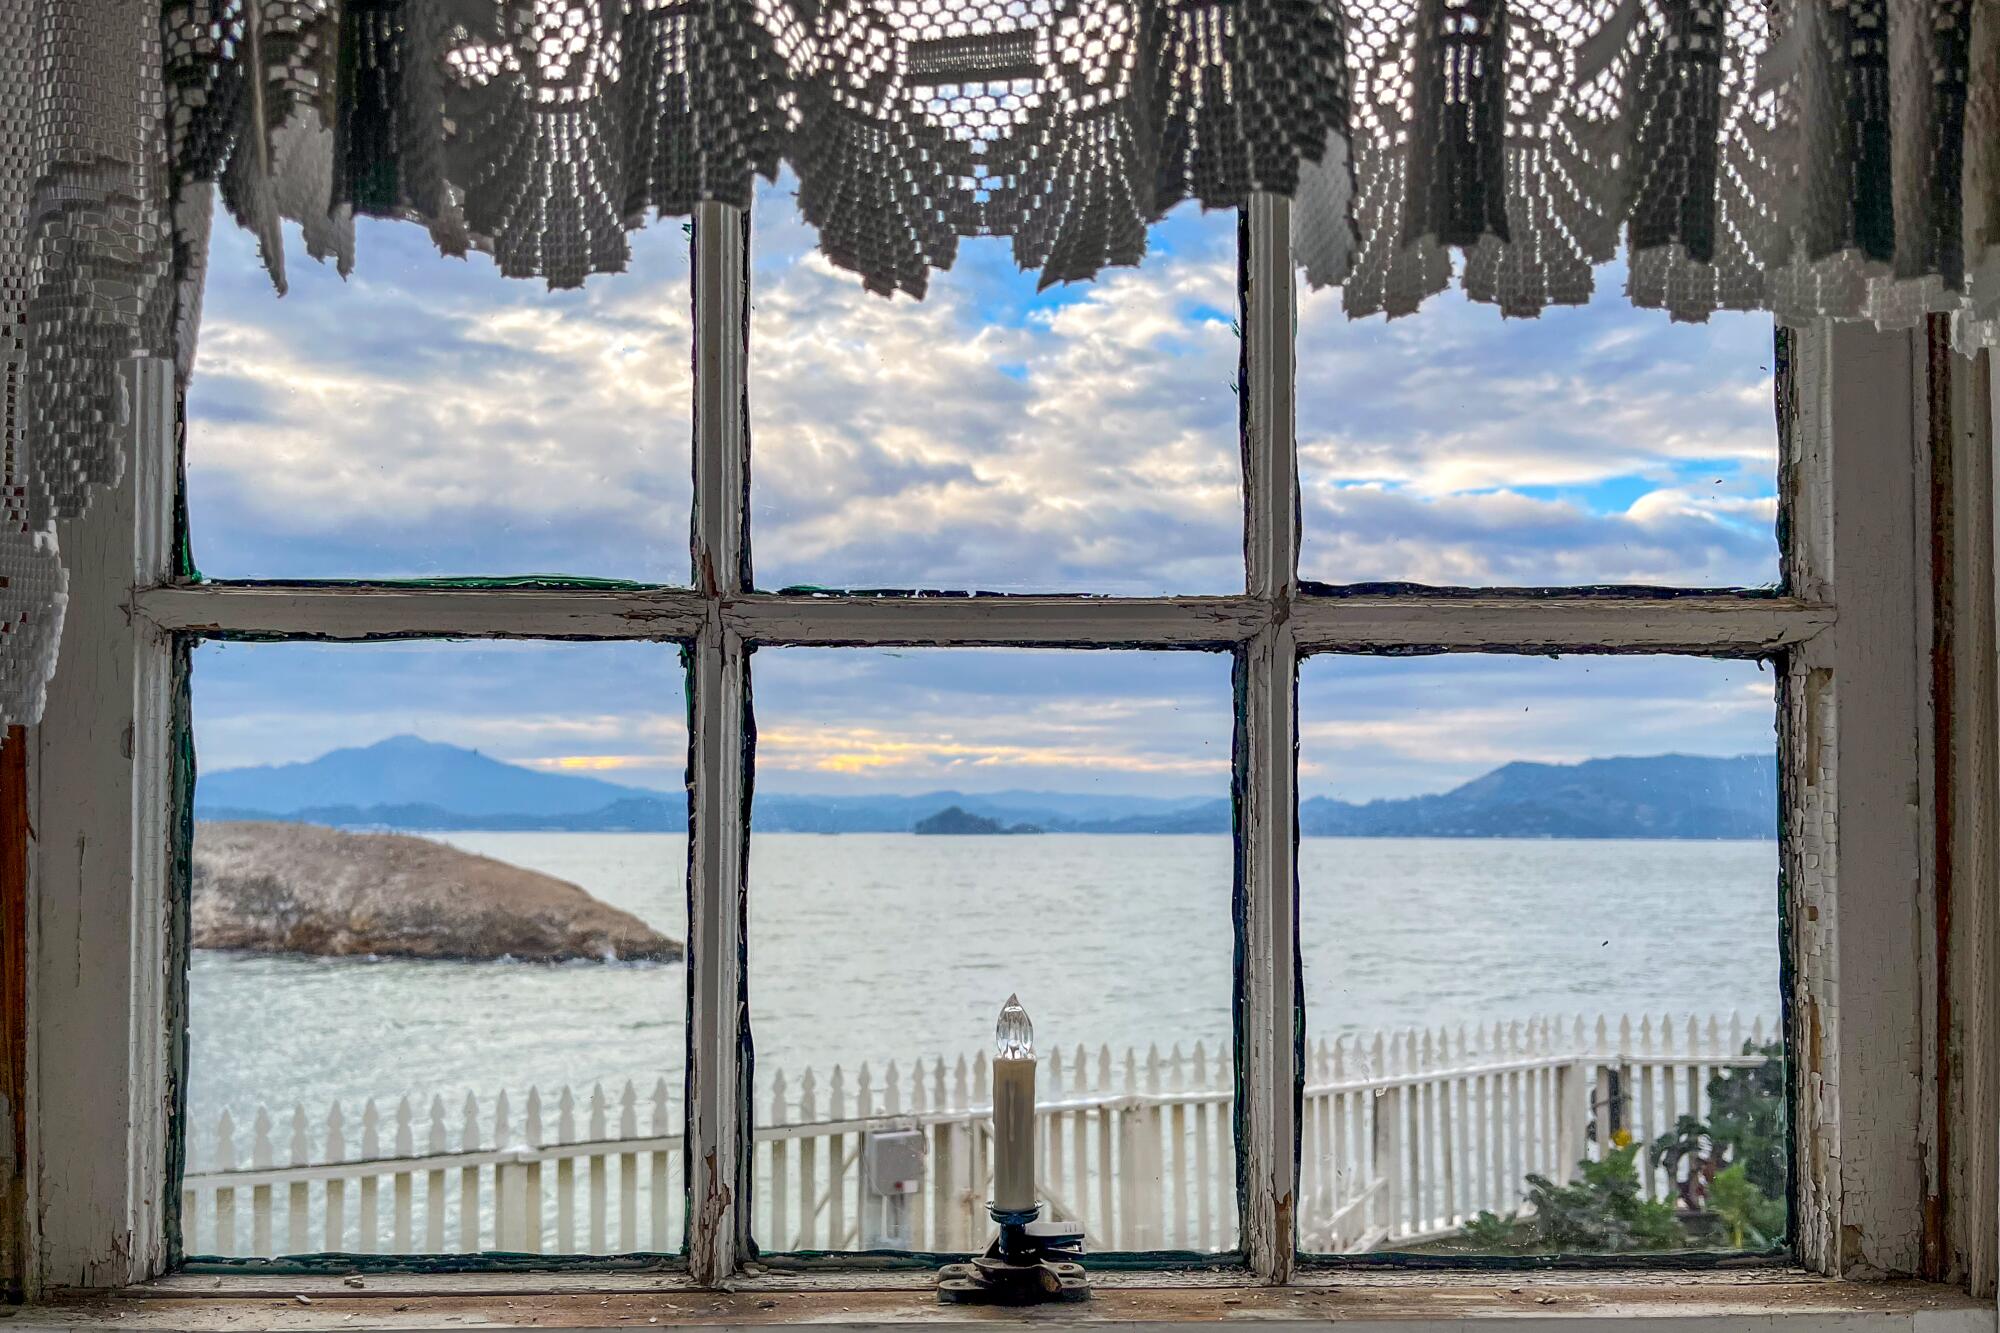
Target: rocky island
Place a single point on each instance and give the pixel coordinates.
(956, 819)
(299, 888)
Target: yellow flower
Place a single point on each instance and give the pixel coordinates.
(1621, 1138)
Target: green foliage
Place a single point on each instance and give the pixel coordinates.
(1745, 1128)
(1750, 1218)
(1730, 1172)
(1688, 1142)
(1747, 1118)
(1601, 1213)
(1490, 1232)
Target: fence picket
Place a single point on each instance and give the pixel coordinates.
(297, 1217)
(628, 1170)
(836, 1161)
(333, 1235)
(660, 1161)
(600, 1242)
(565, 1234)
(530, 1176)
(260, 1196)
(809, 1192)
(401, 1184)
(1204, 1212)
(776, 1174)
(468, 1179)
(1049, 1128)
(371, 1151)
(434, 1182)
(225, 1198)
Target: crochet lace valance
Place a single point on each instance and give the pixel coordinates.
(1809, 157)
(1812, 158)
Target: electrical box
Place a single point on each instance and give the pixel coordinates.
(893, 1161)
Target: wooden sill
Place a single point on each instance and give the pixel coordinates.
(1752, 1302)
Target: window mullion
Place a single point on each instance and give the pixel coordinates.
(717, 1107)
(1267, 1026)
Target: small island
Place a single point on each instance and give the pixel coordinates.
(302, 889)
(957, 819)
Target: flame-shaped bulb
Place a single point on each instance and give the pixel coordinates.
(1013, 1035)
(1014, 1110)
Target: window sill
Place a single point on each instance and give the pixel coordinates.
(1397, 1303)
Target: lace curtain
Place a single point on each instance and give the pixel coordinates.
(1809, 157)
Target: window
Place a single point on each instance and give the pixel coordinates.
(1836, 389)
(481, 984)
(1565, 948)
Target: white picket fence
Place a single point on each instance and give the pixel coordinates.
(1406, 1135)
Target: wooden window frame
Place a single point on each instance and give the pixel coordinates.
(1886, 1065)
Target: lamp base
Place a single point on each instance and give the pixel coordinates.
(1029, 1263)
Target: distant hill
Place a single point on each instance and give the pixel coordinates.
(409, 783)
(408, 771)
(1662, 796)
(952, 819)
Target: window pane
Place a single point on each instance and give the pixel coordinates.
(438, 910)
(428, 418)
(1596, 444)
(991, 436)
(1044, 823)
(1540, 931)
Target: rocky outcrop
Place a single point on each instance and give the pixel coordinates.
(956, 819)
(300, 888)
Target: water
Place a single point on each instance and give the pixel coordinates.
(873, 946)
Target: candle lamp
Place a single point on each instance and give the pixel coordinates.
(1030, 1261)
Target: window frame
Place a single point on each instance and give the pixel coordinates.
(1868, 1010)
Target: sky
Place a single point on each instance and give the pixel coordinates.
(426, 417)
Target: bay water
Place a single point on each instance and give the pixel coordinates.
(872, 947)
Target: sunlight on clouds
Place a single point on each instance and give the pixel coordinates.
(432, 417)
(599, 763)
(1593, 445)
(837, 749)
(989, 436)
(989, 719)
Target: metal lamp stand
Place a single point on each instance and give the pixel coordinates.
(1030, 1262)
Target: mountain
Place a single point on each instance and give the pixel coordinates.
(408, 783)
(407, 770)
(1661, 796)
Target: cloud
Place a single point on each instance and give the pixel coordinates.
(990, 436)
(1598, 444)
(432, 417)
(989, 719)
